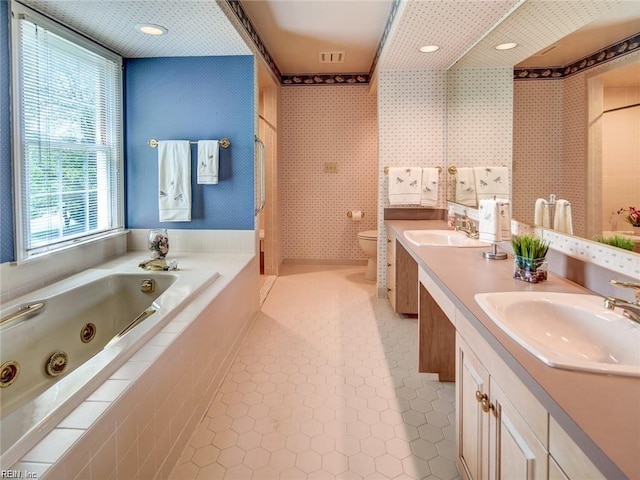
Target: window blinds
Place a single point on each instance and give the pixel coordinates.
(71, 131)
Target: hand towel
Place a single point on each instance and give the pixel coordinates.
(404, 185)
(489, 225)
(562, 221)
(174, 180)
(208, 153)
(494, 220)
(492, 182)
(541, 213)
(429, 188)
(466, 187)
(504, 212)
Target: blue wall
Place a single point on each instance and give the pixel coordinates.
(6, 181)
(191, 98)
(165, 98)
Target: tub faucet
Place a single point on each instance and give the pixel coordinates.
(631, 310)
(467, 226)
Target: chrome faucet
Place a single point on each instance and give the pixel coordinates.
(630, 310)
(467, 226)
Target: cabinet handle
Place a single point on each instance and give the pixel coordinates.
(389, 289)
(486, 406)
(483, 400)
(389, 264)
(388, 240)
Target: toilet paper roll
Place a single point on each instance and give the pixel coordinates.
(356, 215)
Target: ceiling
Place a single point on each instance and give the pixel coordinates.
(295, 31)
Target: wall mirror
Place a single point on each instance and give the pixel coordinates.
(559, 143)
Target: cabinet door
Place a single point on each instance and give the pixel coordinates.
(515, 452)
(406, 281)
(391, 271)
(472, 439)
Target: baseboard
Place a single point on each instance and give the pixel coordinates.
(322, 261)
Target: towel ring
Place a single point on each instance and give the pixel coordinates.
(224, 142)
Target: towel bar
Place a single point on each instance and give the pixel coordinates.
(224, 142)
(386, 170)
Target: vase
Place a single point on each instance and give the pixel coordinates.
(532, 270)
(158, 243)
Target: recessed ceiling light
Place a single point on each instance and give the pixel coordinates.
(151, 29)
(429, 48)
(506, 46)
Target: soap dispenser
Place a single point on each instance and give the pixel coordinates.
(451, 219)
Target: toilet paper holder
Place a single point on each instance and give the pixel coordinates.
(350, 214)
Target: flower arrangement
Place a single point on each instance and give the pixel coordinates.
(633, 215)
(158, 243)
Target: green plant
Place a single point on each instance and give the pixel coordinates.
(615, 241)
(529, 247)
(530, 263)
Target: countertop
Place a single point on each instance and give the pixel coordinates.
(600, 412)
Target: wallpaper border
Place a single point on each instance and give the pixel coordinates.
(600, 57)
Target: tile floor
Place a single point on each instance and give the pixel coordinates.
(326, 386)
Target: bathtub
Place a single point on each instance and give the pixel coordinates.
(77, 333)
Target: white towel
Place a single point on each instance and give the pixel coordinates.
(466, 187)
(494, 220)
(404, 185)
(504, 211)
(174, 180)
(492, 182)
(541, 213)
(429, 189)
(208, 153)
(562, 220)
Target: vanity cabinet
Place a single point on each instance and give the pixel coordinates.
(494, 440)
(402, 278)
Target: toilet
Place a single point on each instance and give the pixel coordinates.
(368, 242)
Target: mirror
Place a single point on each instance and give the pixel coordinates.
(552, 149)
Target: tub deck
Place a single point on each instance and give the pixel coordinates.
(34, 427)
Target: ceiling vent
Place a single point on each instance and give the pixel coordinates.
(546, 50)
(331, 57)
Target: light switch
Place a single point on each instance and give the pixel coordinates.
(331, 167)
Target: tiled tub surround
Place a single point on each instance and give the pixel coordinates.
(137, 422)
(107, 298)
(600, 412)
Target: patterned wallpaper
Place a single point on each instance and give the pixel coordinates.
(412, 119)
(537, 145)
(620, 153)
(574, 150)
(318, 125)
(480, 117)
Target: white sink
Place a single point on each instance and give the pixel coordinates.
(441, 238)
(569, 331)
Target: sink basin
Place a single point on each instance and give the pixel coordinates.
(569, 331)
(442, 238)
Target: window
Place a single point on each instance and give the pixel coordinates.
(67, 95)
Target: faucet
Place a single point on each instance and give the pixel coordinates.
(467, 226)
(631, 310)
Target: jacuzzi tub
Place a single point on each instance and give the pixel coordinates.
(86, 327)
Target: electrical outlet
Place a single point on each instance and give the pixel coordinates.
(331, 167)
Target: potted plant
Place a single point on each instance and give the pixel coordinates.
(615, 241)
(530, 254)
